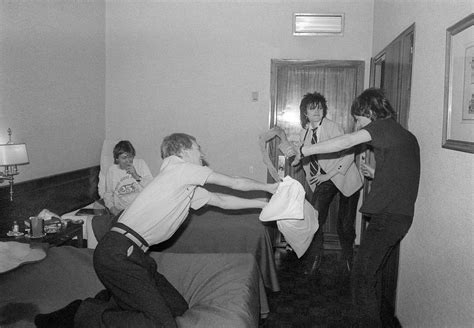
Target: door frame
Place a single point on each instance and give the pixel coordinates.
(331, 240)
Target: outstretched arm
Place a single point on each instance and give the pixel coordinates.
(285, 146)
(343, 142)
(229, 202)
(239, 183)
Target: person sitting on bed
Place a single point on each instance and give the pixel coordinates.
(136, 294)
(126, 178)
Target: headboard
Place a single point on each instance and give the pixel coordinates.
(60, 193)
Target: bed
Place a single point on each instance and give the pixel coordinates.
(222, 289)
(211, 230)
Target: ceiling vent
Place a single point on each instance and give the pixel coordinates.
(318, 24)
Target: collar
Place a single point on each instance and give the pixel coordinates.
(319, 124)
(173, 159)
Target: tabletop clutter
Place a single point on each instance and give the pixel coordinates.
(46, 222)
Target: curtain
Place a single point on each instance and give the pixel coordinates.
(337, 82)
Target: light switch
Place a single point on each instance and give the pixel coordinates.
(255, 96)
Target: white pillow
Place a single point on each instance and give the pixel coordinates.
(286, 203)
(106, 160)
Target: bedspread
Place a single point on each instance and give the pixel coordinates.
(219, 231)
(222, 289)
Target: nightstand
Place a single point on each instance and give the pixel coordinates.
(64, 235)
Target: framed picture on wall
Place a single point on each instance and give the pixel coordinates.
(458, 123)
(468, 103)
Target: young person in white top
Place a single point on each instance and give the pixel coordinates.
(126, 178)
(329, 176)
(136, 294)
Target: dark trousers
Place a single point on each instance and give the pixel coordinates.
(322, 197)
(140, 296)
(383, 234)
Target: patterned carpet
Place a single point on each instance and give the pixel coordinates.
(318, 301)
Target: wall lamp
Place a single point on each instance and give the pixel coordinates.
(11, 155)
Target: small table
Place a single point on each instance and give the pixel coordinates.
(54, 239)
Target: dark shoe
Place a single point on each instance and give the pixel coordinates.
(63, 318)
(314, 266)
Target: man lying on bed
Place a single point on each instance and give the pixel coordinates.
(136, 294)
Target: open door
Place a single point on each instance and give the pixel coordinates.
(391, 71)
(340, 81)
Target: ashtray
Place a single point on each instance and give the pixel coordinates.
(14, 234)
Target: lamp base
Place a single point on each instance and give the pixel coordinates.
(10, 179)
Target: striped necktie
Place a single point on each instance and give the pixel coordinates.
(313, 159)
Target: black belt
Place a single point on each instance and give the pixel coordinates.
(132, 235)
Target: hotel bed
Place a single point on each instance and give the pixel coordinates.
(222, 289)
(209, 230)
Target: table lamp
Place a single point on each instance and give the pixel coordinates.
(11, 155)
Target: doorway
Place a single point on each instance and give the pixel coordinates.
(340, 82)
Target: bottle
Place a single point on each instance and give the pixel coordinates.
(16, 227)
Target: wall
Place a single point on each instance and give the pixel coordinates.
(191, 66)
(52, 82)
(437, 258)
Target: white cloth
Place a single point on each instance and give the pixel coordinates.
(286, 202)
(299, 233)
(164, 204)
(121, 188)
(296, 218)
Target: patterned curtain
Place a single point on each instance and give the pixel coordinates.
(293, 80)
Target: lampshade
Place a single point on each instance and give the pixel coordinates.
(13, 154)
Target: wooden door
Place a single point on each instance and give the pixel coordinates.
(340, 82)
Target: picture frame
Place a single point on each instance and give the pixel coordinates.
(458, 119)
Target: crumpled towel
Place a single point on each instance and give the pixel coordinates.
(296, 218)
(14, 254)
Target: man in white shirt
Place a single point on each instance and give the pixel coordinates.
(136, 294)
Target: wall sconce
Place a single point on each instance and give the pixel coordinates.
(11, 155)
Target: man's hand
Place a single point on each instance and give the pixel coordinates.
(319, 178)
(288, 149)
(367, 170)
(114, 210)
(133, 172)
(297, 159)
(273, 187)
